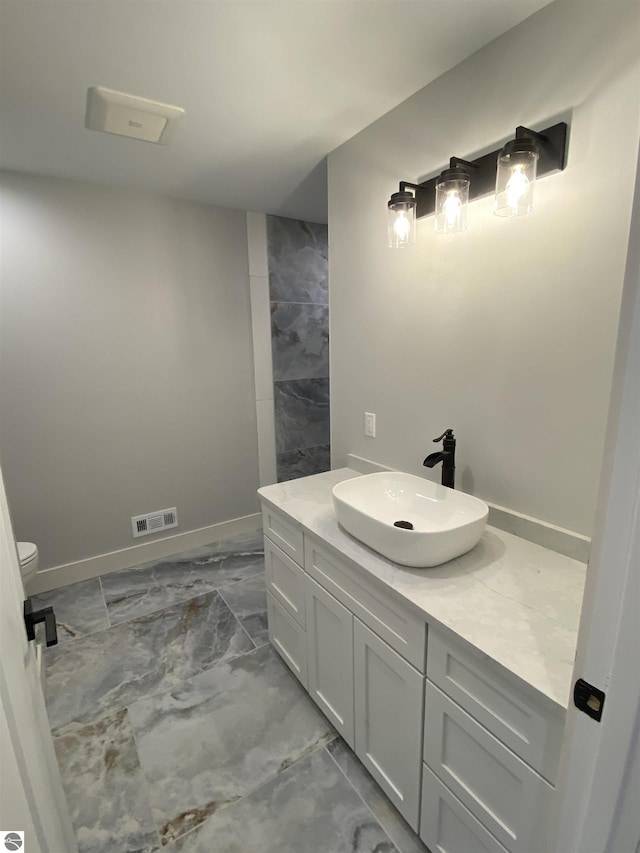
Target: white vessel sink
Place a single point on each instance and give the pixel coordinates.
(446, 523)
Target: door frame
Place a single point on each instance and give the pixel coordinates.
(600, 766)
(35, 797)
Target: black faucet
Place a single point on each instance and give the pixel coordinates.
(447, 456)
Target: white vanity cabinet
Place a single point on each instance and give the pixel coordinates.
(330, 658)
(370, 693)
(488, 745)
(358, 651)
(285, 581)
(388, 695)
(284, 532)
(465, 750)
(288, 638)
(387, 672)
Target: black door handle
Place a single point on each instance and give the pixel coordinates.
(33, 617)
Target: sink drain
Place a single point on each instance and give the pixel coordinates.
(405, 525)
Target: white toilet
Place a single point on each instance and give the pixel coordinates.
(28, 556)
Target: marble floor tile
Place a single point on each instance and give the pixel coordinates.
(383, 810)
(172, 729)
(105, 789)
(215, 738)
(151, 586)
(247, 600)
(310, 808)
(80, 609)
(98, 674)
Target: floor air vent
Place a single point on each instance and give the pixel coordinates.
(152, 522)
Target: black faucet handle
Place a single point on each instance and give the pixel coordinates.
(448, 433)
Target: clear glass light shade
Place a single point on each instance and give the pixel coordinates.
(452, 202)
(402, 220)
(515, 180)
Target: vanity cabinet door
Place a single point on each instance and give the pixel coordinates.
(285, 581)
(330, 657)
(288, 639)
(388, 695)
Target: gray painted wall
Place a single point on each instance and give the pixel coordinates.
(505, 332)
(126, 364)
(298, 291)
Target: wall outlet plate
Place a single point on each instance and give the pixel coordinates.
(370, 424)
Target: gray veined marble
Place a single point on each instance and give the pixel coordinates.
(293, 464)
(151, 586)
(80, 609)
(301, 413)
(299, 340)
(247, 601)
(309, 808)
(218, 736)
(383, 810)
(105, 788)
(298, 260)
(169, 726)
(98, 674)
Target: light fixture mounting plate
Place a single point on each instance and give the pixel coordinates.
(552, 142)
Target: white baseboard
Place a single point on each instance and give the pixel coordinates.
(566, 542)
(104, 564)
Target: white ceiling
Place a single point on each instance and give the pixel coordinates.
(270, 87)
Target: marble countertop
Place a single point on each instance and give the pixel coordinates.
(515, 601)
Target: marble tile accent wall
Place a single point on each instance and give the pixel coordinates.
(304, 461)
(298, 268)
(300, 340)
(299, 295)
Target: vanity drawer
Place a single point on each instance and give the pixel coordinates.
(402, 628)
(505, 795)
(533, 730)
(288, 639)
(446, 826)
(285, 581)
(284, 532)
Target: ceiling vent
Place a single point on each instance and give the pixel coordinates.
(128, 115)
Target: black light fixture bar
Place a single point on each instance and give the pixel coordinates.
(552, 144)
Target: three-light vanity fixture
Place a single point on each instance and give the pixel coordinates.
(510, 170)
